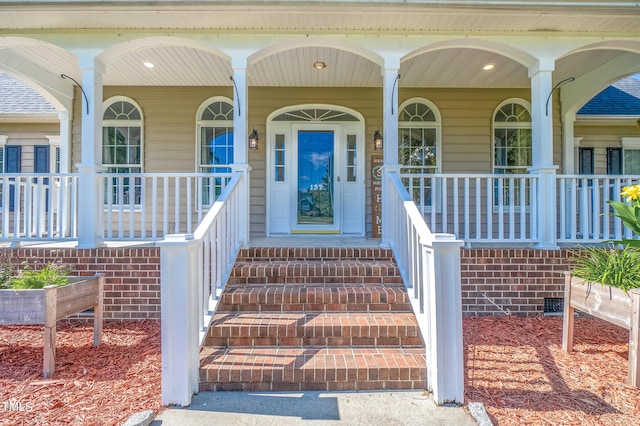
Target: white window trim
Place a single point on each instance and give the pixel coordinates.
(54, 142)
(509, 125)
(3, 142)
(200, 123)
(437, 124)
(132, 123)
(630, 142)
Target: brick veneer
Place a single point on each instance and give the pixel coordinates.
(517, 280)
(132, 275)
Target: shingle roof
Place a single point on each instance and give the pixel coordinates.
(621, 98)
(17, 98)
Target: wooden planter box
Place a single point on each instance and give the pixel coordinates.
(609, 304)
(50, 304)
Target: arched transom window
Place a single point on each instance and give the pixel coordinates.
(512, 137)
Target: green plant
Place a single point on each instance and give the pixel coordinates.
(629, 213)
(7, 270)
(51, 274)
(609, 266)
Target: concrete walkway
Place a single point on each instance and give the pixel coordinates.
(386, 408)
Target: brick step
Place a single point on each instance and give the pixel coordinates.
(314, 329)
(311, 368)
(313, 253)
(318, 298)
(315, 272)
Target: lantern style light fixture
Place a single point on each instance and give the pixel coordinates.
(253, 140)
(377, 140)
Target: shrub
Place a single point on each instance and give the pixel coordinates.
(51, 274)
(609, 265)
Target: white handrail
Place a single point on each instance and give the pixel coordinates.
(194, 270)
(430, 267)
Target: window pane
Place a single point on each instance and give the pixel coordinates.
(222, 111)
(279, 158)
(216, 145)
(631, 161)
(351, 158)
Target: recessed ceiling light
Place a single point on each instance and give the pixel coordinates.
(149, 65)
(319, 65)
(488, 67)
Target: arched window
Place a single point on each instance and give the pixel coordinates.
(419, 148)
(512, 137)
(122, 146)
(215, 144)
(419, 136)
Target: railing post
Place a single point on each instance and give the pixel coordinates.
(179, 260)
(387, 207)
(445, 365)
(546, 207)
(244, 202)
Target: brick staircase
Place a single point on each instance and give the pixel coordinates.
(313, 319)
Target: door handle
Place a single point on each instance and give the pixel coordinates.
(338, 178)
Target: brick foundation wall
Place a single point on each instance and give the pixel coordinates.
(132, 275)
(517, 280)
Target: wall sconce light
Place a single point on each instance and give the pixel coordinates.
(253, 140)
(377, 140)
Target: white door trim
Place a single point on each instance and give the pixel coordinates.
(275, 191)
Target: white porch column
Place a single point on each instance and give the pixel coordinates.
(65, 141)
(179, 257)
(542, 152)
(569, 165)
(390, 82)
(240, 140)
(90, 216)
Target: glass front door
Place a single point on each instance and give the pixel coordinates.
(316, 192)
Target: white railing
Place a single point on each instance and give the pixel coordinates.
(477, 207)
(584, 216)
(220, 237)
(147, 206)
(430, 266)
(38, 206)
(194, 270)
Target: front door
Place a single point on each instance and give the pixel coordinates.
(317, 185)
(315, 172)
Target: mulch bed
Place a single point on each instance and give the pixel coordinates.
(514, 366)
(97, 386)
(517, 369)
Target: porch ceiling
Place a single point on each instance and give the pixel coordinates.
(187, 66)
